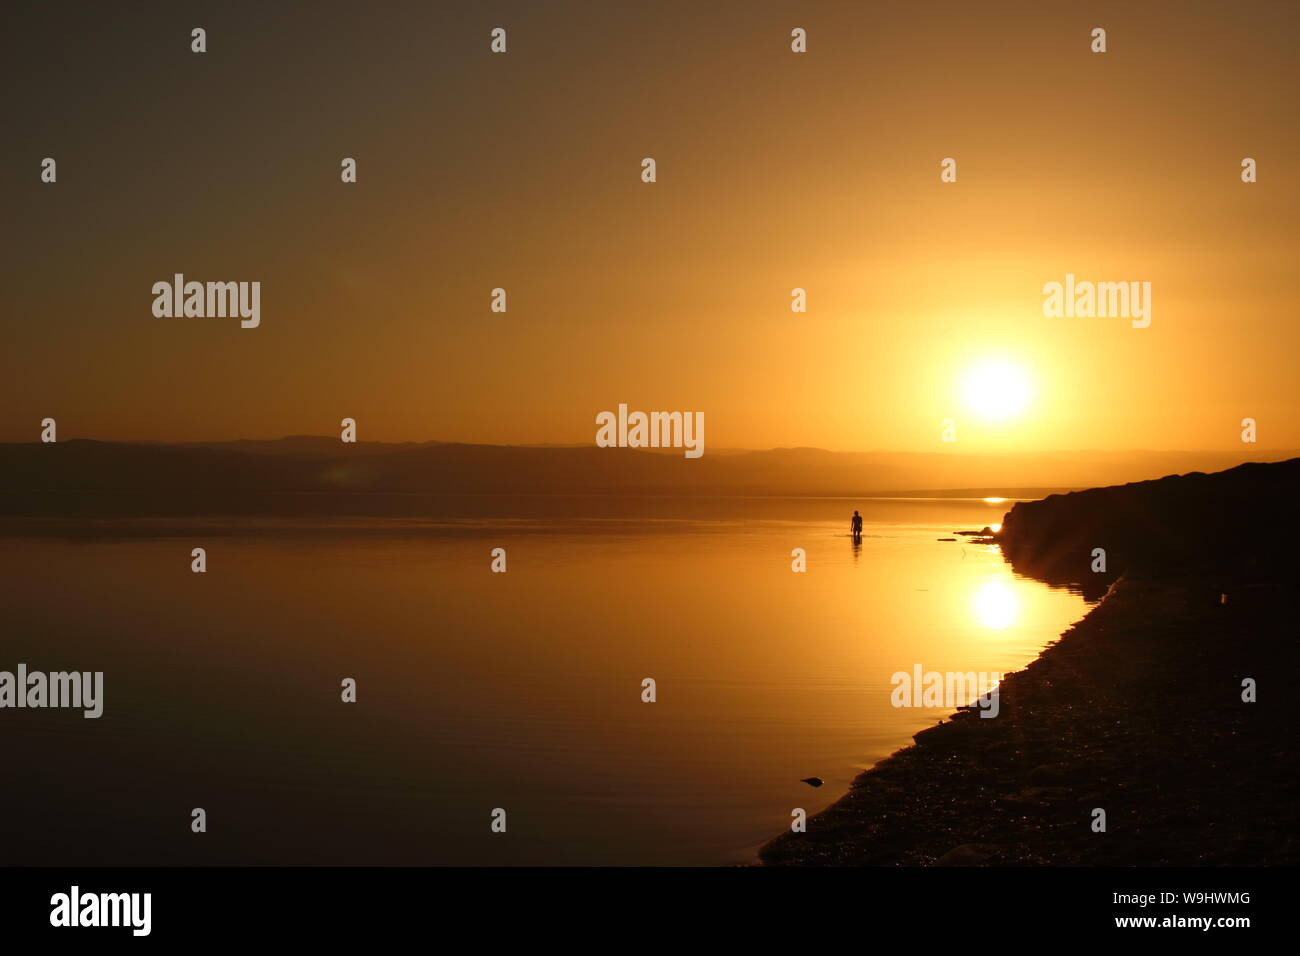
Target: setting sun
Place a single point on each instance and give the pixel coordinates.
(996, 390)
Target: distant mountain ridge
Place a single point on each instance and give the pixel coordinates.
(35, 477)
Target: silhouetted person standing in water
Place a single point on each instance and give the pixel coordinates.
(856, 525)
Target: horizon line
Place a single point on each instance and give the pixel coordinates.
(733, 450)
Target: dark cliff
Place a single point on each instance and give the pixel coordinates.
(1241, 519)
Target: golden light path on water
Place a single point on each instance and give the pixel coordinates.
(995, 605)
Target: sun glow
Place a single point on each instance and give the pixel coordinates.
(996, 390)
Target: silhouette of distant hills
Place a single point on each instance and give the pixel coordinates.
(66, 476)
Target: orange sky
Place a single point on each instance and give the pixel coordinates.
(775, 170)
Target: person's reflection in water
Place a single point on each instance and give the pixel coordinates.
(856, 544)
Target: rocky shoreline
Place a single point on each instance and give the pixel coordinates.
(1137, 710)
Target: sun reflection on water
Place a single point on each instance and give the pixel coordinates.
(996, 605)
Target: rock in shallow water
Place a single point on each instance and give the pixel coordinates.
(968, 854)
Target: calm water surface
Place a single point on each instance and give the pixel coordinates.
(477, 690)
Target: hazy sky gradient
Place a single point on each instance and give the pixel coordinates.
(775, 170)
